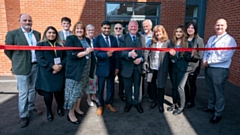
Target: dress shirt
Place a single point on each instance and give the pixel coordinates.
(104, 36)
(31, 39)
(219, 58)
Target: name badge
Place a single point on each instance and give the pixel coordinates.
(57, 61)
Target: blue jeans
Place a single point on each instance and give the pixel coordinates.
(27, 92)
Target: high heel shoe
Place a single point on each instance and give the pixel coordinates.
(83, 114)
(73, 122)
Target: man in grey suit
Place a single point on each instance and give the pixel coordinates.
(132, 65)
(24, 66)
(66, 24)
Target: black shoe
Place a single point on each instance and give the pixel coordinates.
(50, 117)
(23, 122)
(73, 122)
(161, 109)
(60, 112)
(177, 111)
(206, 110)
(82, 115)
(189, 105)
(171, 108)
(215, 119)
(153, 105)
(122, 98)
(127, 108)
(139, 108)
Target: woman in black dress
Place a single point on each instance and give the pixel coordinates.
(50, 78)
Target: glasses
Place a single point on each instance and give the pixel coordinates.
(118, 28)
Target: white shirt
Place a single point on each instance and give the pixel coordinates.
(219, 58)
(108, 39)
(31, 42)
(155, 63)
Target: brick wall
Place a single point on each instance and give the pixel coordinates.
(230, 11)
(49, 12)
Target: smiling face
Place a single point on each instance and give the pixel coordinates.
(191, 30)
(66, 25)
(133, 27)
(51, 34)
(106, 29)
(179, 33)
(79, 31)
(159, 35)
(118, 29)
(90, 32)
(147, 26)
(26, 22)
(220, 26)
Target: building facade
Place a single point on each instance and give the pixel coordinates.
(169, 13)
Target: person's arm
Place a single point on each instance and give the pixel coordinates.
(9, 41)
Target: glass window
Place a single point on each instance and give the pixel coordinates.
(191, 11)
(146, 9)
(120, 9)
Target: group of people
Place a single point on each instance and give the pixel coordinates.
(66, 75)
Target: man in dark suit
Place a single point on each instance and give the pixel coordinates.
(107, 66)
(24, 66)
(118, 29)
(132, 65)
(66, 24)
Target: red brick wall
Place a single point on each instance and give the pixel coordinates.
(49, 12)
(230, 11)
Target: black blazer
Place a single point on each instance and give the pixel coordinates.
(181, 61)
(74, 65)
(127, 62)
(46, 80)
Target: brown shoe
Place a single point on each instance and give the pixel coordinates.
(100, 111)
(111, 108)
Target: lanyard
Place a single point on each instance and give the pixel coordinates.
(53, 45)
(213, 43)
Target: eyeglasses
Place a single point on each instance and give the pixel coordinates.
(118, 28)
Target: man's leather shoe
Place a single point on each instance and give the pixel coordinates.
(153, 105)
(23, 122)
(111, 108)
(139, 108)
(60, 112)
(189, 105)
(177, 111)
(161, 109)
(100, 111)
(127, 108)
(35, 112)
(49, 117)
(215, 119)
(206, 110)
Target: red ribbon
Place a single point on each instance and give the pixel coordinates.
(15, 47)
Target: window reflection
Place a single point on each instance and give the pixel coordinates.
(145, 9)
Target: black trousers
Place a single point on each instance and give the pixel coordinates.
(191, 88)
(48, 98)
(157, 93)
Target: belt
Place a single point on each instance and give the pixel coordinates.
(34, 62)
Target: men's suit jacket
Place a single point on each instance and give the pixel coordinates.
(106, 65)
(196, 60)
(163, 62)
(61, 35)
(127, 62)
(21, 60)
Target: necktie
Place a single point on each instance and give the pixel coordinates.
(107, 41)
(30, 38)
(118, 40)
(134, 39)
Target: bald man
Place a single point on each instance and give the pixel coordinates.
(24, 66)
(217, 65)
